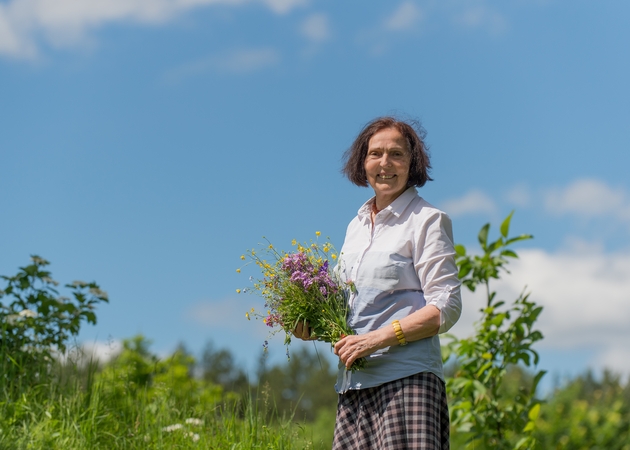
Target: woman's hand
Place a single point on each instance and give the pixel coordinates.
(351, 348)
(304, 331)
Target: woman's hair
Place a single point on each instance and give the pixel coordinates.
(412, 131)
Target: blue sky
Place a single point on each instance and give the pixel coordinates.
(146, 144)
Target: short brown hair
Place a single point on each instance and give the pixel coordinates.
(412, 131)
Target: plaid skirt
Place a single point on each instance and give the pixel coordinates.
(410, 413)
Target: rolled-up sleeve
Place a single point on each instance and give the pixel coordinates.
(434, 260)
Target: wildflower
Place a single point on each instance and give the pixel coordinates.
(270, 246)
(318, 233)
(247, 315)
(174, 427)
(27, 313)
(242, 256)
(193, 421)
(193, 436)
(238, 270)
(333, 256)
(293, 242)
(238, 291)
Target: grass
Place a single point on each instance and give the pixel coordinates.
(79, 408)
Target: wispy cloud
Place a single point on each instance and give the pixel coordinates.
(27, 24)
(234, 62)
(481, 16)
(473, 202)
(316, 28)
(589, 198)
(404, 17)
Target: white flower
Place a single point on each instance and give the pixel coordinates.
(171, 428)
(27, 313)
(193, 421)
(12, 318)
(193, 436)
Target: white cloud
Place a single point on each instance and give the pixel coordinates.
(284, 6)
(586, 300)
(404, 17)
(316, 28)
(62, 23)
(589, 198)
(473, 202)
(519, 195)
(247, 60)
(482, 17)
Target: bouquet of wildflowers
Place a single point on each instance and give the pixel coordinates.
(300, 286)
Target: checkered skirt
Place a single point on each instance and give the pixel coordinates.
(410, 413)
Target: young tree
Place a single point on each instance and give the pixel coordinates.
(503, 338)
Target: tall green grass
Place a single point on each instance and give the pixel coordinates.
(74, 406)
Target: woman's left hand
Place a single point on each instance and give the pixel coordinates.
(353, 347)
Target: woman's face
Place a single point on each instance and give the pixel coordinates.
(387, 165)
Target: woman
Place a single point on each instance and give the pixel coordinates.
(399, 254)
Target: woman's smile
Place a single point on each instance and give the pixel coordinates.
(387, 165)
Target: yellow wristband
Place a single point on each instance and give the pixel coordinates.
(399, 333)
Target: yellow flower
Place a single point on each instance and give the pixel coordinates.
(247, 315)
(252, 309)
(318, 233)
(333, 256)
(238, 291)
(242, 256)
(270, 246)
(293, 242)
(238, 270)
(326, 248)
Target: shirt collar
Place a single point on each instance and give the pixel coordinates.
(396, 207)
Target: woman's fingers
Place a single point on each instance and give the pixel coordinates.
(304, 331)
(346, 350)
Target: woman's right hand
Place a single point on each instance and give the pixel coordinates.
(304, 331)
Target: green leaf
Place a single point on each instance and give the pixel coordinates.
(522, 237)
(460, 250)
(533, 412)
(483, 236)
(505, 226)
(509, 253)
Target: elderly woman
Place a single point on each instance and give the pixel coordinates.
(399, 253)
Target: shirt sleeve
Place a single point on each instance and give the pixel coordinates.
(434, 261)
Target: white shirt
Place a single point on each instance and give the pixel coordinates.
(403, 262)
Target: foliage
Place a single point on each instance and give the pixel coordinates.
(503, 338)
(36, 322)
(300, 287)
(587, 413)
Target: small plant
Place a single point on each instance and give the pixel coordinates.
(503, 339)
